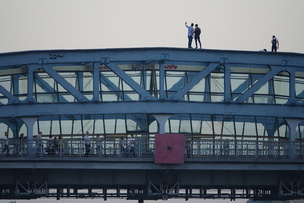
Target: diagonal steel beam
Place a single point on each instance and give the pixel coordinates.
(255, 87)
(134, 85)
(65, 84)
(113, 88)
(179, 94)
(11, 98)
(46, 87)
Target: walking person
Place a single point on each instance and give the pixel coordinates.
(197, 33)
(226, 147)
(122, 145)
(98, 145)
(190, 34)
(132, 145)
(188, 147)
(22, 143)
(55, 146)
(274, 44)
(87, 143)
(5, 144)
(38, 145)
(50, 146)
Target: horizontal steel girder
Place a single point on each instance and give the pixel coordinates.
(146, 164)
(150, 54)
(152, 107)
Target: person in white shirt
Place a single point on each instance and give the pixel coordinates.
(190, 34)
(39, 145)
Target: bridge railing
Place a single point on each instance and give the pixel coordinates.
(220, 148)
(76, 147)
(145, 148)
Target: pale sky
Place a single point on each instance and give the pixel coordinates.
(98, 24)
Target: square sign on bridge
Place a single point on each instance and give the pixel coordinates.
(169, 149)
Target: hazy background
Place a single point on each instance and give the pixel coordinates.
(91, 24)
(98, 24)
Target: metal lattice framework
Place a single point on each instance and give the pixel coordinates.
(218, 93)
(254, 100)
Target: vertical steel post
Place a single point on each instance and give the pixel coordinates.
(29, 122)
(292, 123)
(161, 119)
(161, 81)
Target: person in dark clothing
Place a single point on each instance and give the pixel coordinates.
(274, 44)
(197, 33)
(87, 143)
(188, 147)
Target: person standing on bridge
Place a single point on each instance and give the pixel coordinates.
(274, 44)
(50, 146)
(188, 147)
(22, 144)
(190, 34)
(132, 145)
(98, 145)
(122, 144)
(39, 145)
(226, 147)
(87, 143)
(197, 33)
(5, 144)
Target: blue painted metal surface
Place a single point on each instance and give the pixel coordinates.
(254, 100)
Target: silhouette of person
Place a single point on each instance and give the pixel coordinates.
(22, 144)
(98, 145)
(197, 32)
(132, 146)
(275, 44)
(190, 34)
(122, 146)
(50, 145)
(6, 145)
(38, 144)
(226, 147)
(87, 143)
(188, 147)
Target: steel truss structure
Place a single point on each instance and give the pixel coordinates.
(207, 95)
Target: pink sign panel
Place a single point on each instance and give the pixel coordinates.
(169, 149)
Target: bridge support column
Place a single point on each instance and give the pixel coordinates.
(161, 119)
(29, 122)
(292, 123)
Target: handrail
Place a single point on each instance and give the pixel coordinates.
(145, 148)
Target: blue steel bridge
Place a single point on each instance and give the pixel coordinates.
(241, 115)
